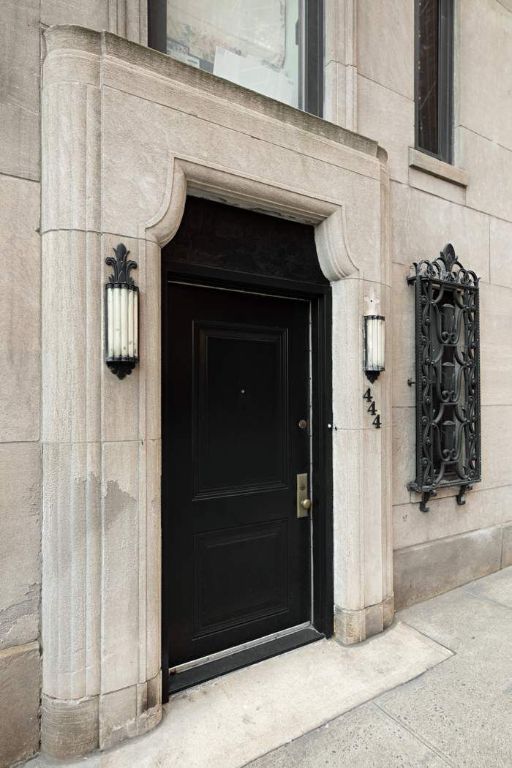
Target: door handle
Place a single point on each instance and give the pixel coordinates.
(303, 502)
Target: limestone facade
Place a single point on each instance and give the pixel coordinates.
(102, 140)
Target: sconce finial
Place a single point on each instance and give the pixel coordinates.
(121, 265)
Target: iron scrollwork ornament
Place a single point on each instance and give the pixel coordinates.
(121, 314)
(121, 266)
(448, 439)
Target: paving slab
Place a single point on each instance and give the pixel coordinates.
(387, 703)
(466, 721)
(463, 620)
(227, 722)
(465, 712)
(458, 713)
(363, 738)
(497, 587)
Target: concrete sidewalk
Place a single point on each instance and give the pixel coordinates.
(457, 714)
(433, 690)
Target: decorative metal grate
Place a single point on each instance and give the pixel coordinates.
(447, 377)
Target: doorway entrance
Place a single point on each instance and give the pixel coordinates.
(240, 454)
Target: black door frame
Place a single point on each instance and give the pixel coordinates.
(321, 374)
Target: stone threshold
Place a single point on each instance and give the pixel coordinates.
(232, 720)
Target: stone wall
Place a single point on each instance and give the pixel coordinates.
(369, 69)
(450, 544)
(20, 338)
(20, 321)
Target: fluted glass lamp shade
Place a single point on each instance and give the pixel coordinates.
(121, 315)
(375, 339)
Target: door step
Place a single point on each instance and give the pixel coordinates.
(179, 680)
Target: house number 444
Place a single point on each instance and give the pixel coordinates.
(371, 408)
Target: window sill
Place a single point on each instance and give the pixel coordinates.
(431, 165)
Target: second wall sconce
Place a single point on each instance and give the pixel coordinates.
(374, 346)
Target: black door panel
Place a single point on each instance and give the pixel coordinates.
(241, 408)
(235, 385)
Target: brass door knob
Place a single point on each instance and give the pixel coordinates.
(306, 504)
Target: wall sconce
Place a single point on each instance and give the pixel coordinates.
(374, 346)
(121, 314)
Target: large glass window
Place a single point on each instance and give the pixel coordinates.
(270, 46)
(434, 77)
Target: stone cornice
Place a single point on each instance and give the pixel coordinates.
(107, 44)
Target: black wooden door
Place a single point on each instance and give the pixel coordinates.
(235, 387)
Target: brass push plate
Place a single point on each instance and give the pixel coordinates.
(303, 502)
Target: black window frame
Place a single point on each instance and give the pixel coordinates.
(311, 78)
(445, 70)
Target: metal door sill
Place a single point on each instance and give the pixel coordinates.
(186, 678)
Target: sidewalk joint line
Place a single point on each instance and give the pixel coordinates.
(415, 735)
(446, 647)
(488, 599)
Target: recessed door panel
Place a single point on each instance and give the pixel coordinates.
(241, 408)
(252, 555)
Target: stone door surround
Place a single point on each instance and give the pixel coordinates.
(127, 133)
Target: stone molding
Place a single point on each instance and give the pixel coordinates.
(113, 47)
(354, 626)
(127, 133)
(351, 64)
(69, 727)
(129, 19)
(74, 727)
(340, 101)
(435, 167)
(205, 180)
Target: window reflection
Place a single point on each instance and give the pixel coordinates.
(427, 83)
(434, 77)
(255, 43)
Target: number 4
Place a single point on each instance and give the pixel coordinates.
(376, 421)
(368, 395)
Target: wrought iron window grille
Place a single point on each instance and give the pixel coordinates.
(448, 438)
